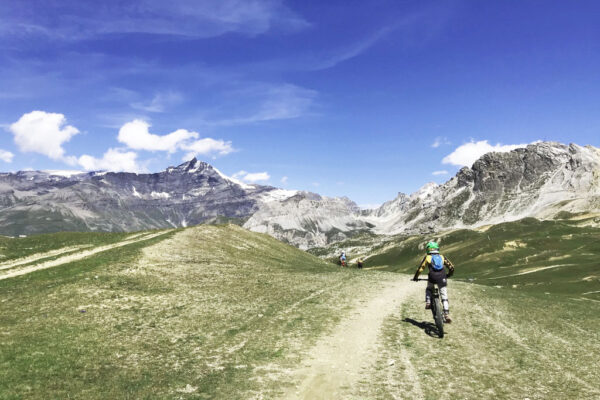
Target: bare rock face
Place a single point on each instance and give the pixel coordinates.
(307, 219)
(192, 193)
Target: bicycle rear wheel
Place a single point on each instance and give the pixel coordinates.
(438, 316)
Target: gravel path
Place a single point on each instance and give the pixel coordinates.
(338, 360)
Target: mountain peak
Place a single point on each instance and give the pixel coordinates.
(191, 166)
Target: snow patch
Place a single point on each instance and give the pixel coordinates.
(171, 222)
(65, 173)
(277, 195)
(135, 193)
(160, 195)
(237, 182)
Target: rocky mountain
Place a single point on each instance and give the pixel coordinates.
(540, 180)
(192, 193)
(308, 219)
(189, 194)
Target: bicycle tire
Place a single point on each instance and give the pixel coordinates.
(438, 316)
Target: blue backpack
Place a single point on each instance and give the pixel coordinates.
(437, 262)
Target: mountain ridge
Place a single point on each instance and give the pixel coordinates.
(540, 180)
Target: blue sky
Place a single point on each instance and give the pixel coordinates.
(354, 98)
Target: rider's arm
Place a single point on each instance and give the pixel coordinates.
(421, 268)
(450, 266)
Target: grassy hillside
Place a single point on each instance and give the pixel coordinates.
(220, 312)
(558, 257)
(214, 311)
(13, 248)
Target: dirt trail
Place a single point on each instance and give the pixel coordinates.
(77, 256)
(338, 360)
(40, 256)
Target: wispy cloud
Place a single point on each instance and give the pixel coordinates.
(270, 102)
(353, 50)
(194, 18)
(159, 103)
(442, 172)
(439, 141)
(416, 27)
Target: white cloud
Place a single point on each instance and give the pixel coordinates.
(6, 156)
(207, 146)
(252, 177)
(284, 180)
(468, 153)
(442, 172)
(136, 136)
(115, 160)
(440, 140)
(44, 133)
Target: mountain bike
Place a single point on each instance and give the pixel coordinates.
(436, 309)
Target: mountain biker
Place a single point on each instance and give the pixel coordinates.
(343, 259)
(437, 275)
(359, 263)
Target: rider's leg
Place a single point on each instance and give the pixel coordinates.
(428, 294)
(445, 304)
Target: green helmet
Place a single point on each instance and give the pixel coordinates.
(432, 246)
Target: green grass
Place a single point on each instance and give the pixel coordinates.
(12, 248)
(217, 308)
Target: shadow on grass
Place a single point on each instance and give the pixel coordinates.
(429, 327)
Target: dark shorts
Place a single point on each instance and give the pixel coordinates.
(438, 277)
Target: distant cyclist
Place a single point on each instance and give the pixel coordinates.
(359, 263)
(343, 259)
(437, 274)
